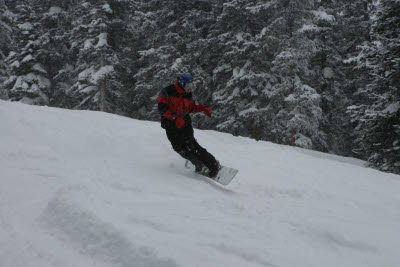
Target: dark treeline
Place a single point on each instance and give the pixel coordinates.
(322, 75)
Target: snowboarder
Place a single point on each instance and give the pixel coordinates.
(175, 103)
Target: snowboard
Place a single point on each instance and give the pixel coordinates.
(224, 176)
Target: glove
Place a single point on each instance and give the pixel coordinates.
(202, 108)
(179, 122)
(207, 111)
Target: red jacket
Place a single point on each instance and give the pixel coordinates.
(174, 103)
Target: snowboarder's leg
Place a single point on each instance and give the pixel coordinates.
(184, 143)
(178, 139)
(202, 154)
(206, 158)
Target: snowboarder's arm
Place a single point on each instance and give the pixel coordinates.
(201, 108)
(198, 108)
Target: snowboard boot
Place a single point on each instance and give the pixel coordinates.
(214, 170)
(196, 162)
(199, 168)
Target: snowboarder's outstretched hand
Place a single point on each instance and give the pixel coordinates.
(207, 111)
(202, 108)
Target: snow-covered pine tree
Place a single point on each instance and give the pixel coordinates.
(56, 53)
(36, 30)
(126, 40)
(28, 82)
(228, 52)
(350, 30)
(377, 117)
(5, 45)
(324, 74)
(336, 29)
(295, 103)
(97, 86)
(241, 66)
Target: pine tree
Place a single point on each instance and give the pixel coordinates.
(29, 82)
(5, 39)
(300, 113)
(56, 53)
(5, 45)
(241, 70)
(94, 45)
(350, 31)
(377, 117)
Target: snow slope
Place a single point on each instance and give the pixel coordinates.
(80, 188)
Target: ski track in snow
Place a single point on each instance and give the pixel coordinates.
(81, 188)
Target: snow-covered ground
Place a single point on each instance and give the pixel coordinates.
(80, 188)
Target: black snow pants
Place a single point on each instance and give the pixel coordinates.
(184, 143)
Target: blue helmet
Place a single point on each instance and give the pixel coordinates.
(183, 79)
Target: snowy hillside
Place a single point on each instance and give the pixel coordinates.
(80, 188)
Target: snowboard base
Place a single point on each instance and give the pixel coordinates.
(224, 176)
